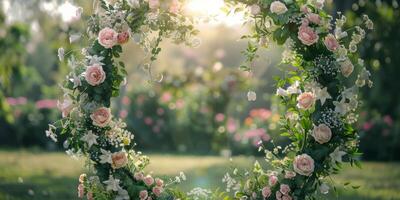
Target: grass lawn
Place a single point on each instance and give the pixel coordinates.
(39, 175)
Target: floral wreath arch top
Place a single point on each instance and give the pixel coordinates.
(319, 91)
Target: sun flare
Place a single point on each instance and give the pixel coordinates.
(211, 11)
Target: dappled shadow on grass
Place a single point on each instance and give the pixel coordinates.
(39, 188)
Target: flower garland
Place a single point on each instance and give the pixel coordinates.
(319, 95)
(319, 91)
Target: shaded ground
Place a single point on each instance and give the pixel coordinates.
(38, 175)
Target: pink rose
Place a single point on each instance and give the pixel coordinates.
(303, 164)
(278, 195)
(154, 4)
(278, 7)
(101, 117)
(148, 180)
(107, 38)
(123, 37)
(266, 192)
(159, 182)
(322, 133)
(305, 100)
(66, 106)
(95, 75)
(119, 160)
(89, 196)
(139, 176)
(284, 189)
(143, 194)
(81, 190)
(314, 18)
(286, 197)
(307, 35)
(82, 178)
(290, 174)
(175, 6)
(157, 190)
(272, 180)
(331, 43)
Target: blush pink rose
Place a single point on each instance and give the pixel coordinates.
(143, 194)
(286, 197)
(266, 192)
(322, 133)
(284, 189)
(101, 117)
(81, 190)
(305, 100)
(139, 176)
(278, 195)
(303, 165)
(119, 160)
(154, 4)
(95, 75)
(272, 180)
(107, 37)
(314, 18)
(331, 43)
(148, 180)
(307, 35)
(157, 190)
(123, 37)
(159, 182)
(290, 174)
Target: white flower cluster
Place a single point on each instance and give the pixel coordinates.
(199, 193)
(330, 118)
(326, 65)
(118, 135)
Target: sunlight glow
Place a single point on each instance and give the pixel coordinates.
(68, 12)
(211, 12)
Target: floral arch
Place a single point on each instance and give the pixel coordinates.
(320, 93)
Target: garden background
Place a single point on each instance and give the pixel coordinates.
(198, 116)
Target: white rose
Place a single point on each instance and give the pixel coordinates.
(322, 133)
(278, 7)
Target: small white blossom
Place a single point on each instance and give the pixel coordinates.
(61, 53)
(341, 107)
(324, 188)
(112, 184)
(105, 156)
(90, 138)
(294, 88)
(251, 96)
(95, 60)
(281, 92)
(122, 195)
(323, 95)
(74, 37)
(337, 155)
